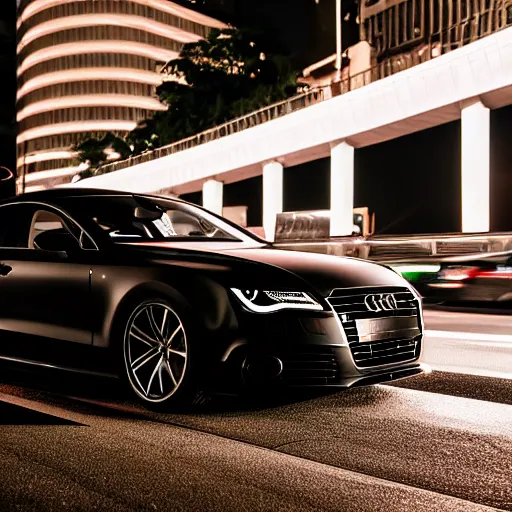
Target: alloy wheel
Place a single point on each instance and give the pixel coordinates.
(155, 351)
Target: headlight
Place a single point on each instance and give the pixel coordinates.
(268, 302)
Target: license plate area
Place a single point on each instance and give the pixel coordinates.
(375, 329)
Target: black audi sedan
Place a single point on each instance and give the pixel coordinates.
(172, 299)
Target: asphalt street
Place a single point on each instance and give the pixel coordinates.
(469, 343)
(441, 441)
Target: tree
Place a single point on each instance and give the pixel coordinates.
(231, 73)
(143, 137)
(97, 152)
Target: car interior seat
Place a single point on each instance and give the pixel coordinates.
(43, 221)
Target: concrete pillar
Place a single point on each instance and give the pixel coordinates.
(272, 197)
(475, 172)
(342, 189)
(213, 196)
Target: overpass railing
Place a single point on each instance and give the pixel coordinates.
(407, 248)
(440, 43)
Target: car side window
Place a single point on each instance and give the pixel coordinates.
(21, 223)
(15, 222)
(44, 220)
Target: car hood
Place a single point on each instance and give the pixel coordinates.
(323, 272)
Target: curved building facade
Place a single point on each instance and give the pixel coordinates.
(88, 67)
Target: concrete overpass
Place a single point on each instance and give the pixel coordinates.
(464, 84)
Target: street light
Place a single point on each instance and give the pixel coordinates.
(339, 34)
(339, 47)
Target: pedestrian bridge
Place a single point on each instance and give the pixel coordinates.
(463, 84)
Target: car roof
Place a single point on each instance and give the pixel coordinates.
(68, 192)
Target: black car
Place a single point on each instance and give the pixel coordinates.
(174, 298)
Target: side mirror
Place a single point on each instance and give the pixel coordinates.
(56, 240)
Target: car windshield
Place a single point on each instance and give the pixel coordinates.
(148, 219)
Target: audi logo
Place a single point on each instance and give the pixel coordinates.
(380, 302)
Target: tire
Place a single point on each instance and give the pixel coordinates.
(158, 356)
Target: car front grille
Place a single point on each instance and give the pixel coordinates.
(310, 365)
(355, 306)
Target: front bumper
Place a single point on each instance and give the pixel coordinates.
(309, 350)
(377, 377)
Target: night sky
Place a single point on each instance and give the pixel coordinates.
(305, 27)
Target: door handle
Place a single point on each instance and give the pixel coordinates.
(5, 270)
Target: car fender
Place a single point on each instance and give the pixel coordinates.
(201, 300)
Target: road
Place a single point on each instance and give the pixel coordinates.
(441, 441)
(469, 343)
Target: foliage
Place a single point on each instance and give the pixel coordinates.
(143, 137)
(95, 152)
(229, 74)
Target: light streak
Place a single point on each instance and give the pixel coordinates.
(426, 268)
(495, 274)
(8, 174)
(448, 286)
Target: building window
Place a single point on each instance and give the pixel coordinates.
(70, 115)
(96, 33)
(117, 7)
(88, 60)
(87, 87)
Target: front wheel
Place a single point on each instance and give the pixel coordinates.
(157, 354)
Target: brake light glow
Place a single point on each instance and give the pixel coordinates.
(451, 286)
(499, 273)
(458, 273)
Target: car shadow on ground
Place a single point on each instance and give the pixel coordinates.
(113, 397)
(15, 415)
